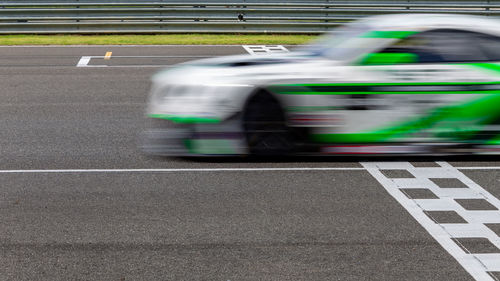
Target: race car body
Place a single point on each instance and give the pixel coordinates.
(409, 84)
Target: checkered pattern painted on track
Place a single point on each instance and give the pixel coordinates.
(455, 210)
(256, 50)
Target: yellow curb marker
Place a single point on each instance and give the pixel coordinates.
(107, 56)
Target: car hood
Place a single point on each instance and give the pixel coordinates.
(244, 69)
(248, 60)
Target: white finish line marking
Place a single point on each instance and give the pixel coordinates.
(479, 265)
(256, 50)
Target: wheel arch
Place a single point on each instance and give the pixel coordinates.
(262, 90)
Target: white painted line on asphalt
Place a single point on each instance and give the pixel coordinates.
(85, 60)
(477, 264)
(187, 56)
(139, 66)
(416, 185)
(180, 170)
(256, 50)
(479, 168)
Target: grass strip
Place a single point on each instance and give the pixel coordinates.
(160, 39)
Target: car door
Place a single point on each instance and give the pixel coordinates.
(435, 86)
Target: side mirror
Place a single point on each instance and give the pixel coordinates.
(388, 58)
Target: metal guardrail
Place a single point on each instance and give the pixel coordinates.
(210, 16)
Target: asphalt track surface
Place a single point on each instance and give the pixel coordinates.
(211, 219)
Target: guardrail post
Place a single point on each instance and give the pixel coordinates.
(326, 13)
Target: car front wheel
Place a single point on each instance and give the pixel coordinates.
(265, 127)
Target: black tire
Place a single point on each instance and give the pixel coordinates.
(264, 123)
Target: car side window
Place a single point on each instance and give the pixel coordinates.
(490, 46)
(442, 46)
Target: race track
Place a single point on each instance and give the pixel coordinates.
(80, 201)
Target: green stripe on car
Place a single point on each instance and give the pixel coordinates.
(488, 66)
(388, 34)
(447, 122)
(396, 93)
(185, 119)
(388, 58)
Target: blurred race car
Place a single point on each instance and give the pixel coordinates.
(395, 84)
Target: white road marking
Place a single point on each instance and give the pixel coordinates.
(478, 265)
(256, 50)
(186, 56)
(182, 170)
(85, 60)
(223, 170)
(138, 66)
(479, 168)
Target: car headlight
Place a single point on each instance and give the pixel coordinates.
(196, 99)
(184, 94)
(172, 92)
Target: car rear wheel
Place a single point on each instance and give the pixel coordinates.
(265, 127)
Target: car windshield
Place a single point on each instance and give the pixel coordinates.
(334, 45)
